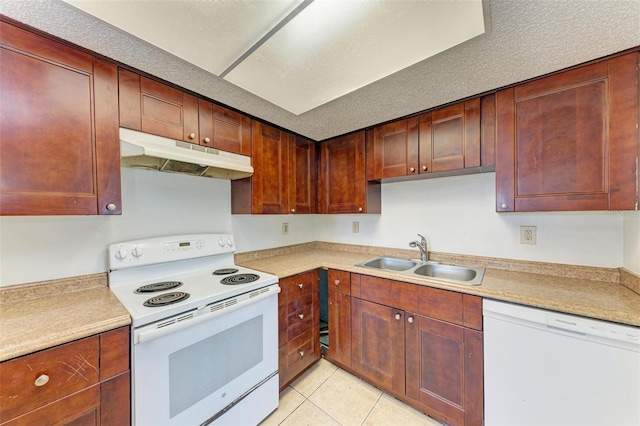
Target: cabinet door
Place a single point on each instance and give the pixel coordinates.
(450, 137)
(58, 129)
(152, 107)
(339, 328)
(569, 141)
(377, 344)
(270, 180)
(342, 185)
(302, 176)
(444, 370)
(224, 129)
(395, 149)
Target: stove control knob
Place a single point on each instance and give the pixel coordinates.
(230, 242)
(121, 254)
(221, 242)
(137, 251)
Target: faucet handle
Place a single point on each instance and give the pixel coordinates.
(423, 240)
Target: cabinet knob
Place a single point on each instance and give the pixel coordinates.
(359, 209)
(192, 135)
(111, 207)
(410, 320)
(42, 380)
(337, 282)
(504, 206)
(424, 168)
(293, 210)
(300, 285)
(397, 317)
(301, 354)
(206, 140)
(301, 316)
(411, 169)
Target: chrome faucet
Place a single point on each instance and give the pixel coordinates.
(422, 245)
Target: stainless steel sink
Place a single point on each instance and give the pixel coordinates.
(389, 263)
(432, 270)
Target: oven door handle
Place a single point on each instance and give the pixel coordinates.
(199, 315)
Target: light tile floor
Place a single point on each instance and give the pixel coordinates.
(328, 395)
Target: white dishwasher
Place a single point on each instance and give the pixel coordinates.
(546, 368)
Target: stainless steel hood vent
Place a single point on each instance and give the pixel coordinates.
(142, 150)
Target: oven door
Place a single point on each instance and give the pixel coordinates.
(200, 365)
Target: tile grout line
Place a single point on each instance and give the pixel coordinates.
(372, 408)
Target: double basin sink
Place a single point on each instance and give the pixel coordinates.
(432, 270)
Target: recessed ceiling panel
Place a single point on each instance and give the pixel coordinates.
(332, 48)
(209, 34)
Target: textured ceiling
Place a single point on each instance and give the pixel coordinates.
(524, 39)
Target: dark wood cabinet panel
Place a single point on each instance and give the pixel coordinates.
(444, 370)
(302, 176)
(85, 382)
(342, 183)
(396, 149)
(224, 129)
(378, 344)
(152, 107)
(339, 289)
(58, 129)
(488, 130)
(298, 325)
(569, 141)
(450, 137)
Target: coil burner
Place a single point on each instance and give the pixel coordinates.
(166, 299)
(239, 279)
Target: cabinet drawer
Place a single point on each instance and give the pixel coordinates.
(114, 352)
(300, 285)
(301, 315)
(300, 347)
(69, 368)
(373, 289)
(441, 304)
(339, 281)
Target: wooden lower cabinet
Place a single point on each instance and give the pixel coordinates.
(298, 325)
(431, 358)
(85, 382)
(339, 289)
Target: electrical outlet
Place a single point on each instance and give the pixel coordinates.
(285, 228)
(355, 227)
(527, 235)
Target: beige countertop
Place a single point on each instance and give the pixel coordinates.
(585, 291)
(42, 315)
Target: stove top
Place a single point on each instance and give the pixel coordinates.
(175, 274)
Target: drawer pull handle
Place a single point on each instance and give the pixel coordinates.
(301, 316)
(301, 354)
(337, 282)
(300, 285)
(42, 380)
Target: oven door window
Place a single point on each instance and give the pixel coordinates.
(190, 375)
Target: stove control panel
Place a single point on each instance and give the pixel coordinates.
(149, 251)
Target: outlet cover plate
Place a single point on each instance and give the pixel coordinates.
(528, 235)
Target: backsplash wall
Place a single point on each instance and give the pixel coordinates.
(457, 215)
(36, 248)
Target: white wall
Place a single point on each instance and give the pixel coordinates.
(39, 248)
(457, 215)
(631, 226)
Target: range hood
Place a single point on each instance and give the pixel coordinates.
(142, 150)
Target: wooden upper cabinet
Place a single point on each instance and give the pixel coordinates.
(152, 107)
(396, 149)
(302, 176)
(224, 129)
(442, 140)
(342, 182)
(450, 137)
(58, 129)
(569, 141)
(267, 190)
